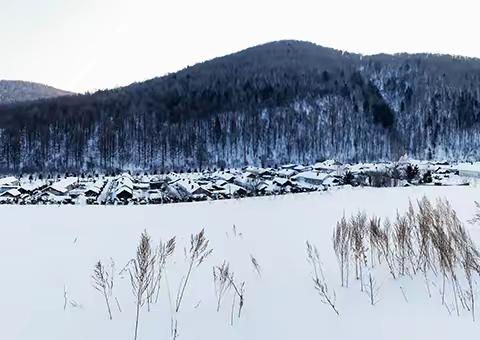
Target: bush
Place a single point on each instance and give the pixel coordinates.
(348, 178)
(379, 179)
(411, 172)
(427, 177)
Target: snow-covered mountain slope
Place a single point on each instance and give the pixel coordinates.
(47, 255)
(281, 102)
(14, 91)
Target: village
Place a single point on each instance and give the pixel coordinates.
(147, 188)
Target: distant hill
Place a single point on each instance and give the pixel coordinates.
(281, 102)
(13, 91)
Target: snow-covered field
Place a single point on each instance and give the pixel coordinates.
(46, 250)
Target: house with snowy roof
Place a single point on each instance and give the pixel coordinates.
(62, 187)
(10, 181)
(10, 194)
(124, 189)
(190, 188)
(282, 182)
(286, 173)
(311, 177)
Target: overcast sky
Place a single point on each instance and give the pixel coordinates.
(82, 45)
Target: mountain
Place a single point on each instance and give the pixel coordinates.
(286, 101)
(13, 91)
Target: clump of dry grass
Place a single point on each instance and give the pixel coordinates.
(164, 251)
(142, 275)
(103, 283)
(221, 282)
(256, 265)
(427, 239)
(327, 296)
(199, 251)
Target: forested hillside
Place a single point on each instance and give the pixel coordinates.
(281, 102)
(13, 91)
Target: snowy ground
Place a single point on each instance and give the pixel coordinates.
(46, 248)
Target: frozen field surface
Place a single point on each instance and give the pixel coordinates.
(48, 250)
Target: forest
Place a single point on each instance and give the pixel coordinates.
(282, 102)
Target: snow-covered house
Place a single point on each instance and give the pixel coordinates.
(227, 177)
(10, 194)
(30, 188)
(331, 166)
(286, 173)
(368, 167)
(331, 181)
(282, 182)
(155, 196)
(230, 189)
(290, 166)
(267, 187)
(311, 177)
(62, 187)
(94, 189)
(157, 182)
(141, 186)
(257, 172)
(9, 182)
(246, 182)
(469, 169)
(124, 189)
(190, 188)
(301, 168)
(124, 192)
(172, 177)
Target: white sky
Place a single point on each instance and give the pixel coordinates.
(82, 45)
